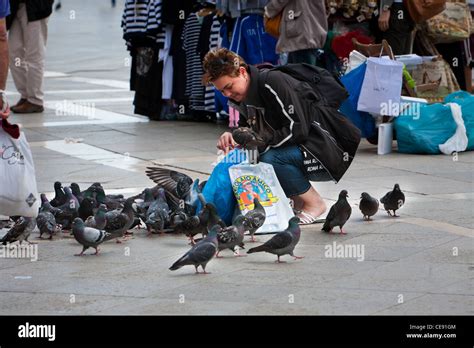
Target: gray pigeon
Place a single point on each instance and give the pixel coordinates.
(20, 231)
(256, 218)
(368, 205)
(157, 214)
(247, 138)
(338, 214)
(201, 253)
(283, 242)
(213, 217)
(233, 236)
(46, 222)
(99, 220)
(119, 221)
(176, 183)
(69, 210)
(88, 237)
(59, 198)
(393, 200)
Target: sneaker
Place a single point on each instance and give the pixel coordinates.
(27, 108)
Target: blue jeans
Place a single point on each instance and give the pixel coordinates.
(288, 164)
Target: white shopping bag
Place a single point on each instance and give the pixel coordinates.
(259, 180)
(381, 90)
(18, 191)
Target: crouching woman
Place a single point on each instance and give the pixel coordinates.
(305, 139)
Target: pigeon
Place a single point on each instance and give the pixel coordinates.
(111, 203)
(20, 231)
(368, 205)
(338, 214)
(119, 221)
(212, 217)
(176, 183)
(201, 253)
(157, 215)
(46, 223)
(283, 242)
(232, 236)
(88, 237)
(256, 218)
(98, 220)
(393, 200)
(46, 206)
(60, 197)
(76, 191)
(247, 138)
(69, 210)
(86, 208)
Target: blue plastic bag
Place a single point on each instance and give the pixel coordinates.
(466, 101)
(362, 120)
(218, 189)
(424, 132)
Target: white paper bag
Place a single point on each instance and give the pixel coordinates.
(18, 191)
(382, 86)
(259, 180)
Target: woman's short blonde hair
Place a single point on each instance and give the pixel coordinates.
(221, 62)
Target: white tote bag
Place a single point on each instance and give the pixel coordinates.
(18, 191)
(259, 180)
(381, 90)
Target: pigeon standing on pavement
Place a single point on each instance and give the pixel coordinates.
(76, 191)
(158, 214)
(88, 237)
(20, 231)
(60, 197)
(69, 210)
(119, 221)
(393, 200)
(233, 236)
(283, 242)
(46, 222)
(256, 218)
(201, 253)
(338, 214)
(98, 220)
(368, 205)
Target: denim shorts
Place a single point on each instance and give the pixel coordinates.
(288, 164)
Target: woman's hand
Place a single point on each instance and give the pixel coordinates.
(226, 142)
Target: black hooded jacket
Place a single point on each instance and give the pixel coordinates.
(285, 111)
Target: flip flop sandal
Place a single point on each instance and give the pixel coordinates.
(308, 219)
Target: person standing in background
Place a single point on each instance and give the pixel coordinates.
(4, 11)
(28, 26)
(303, 28)
(395, 25)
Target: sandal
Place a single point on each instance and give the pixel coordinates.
(308, 219)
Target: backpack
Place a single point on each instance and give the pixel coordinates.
(329, 88)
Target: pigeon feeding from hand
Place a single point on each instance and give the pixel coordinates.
(338, 214)
(88, 237)
(393, 200)
(283, 242)
(201, 253)
(247, 138)
(368, 205)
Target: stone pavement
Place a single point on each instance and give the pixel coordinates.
(419, 263)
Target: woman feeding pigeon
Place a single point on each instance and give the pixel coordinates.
(291, 125)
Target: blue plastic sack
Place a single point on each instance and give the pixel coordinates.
(466, 101)
(432, 126)
(218, 189)
(362, 120)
